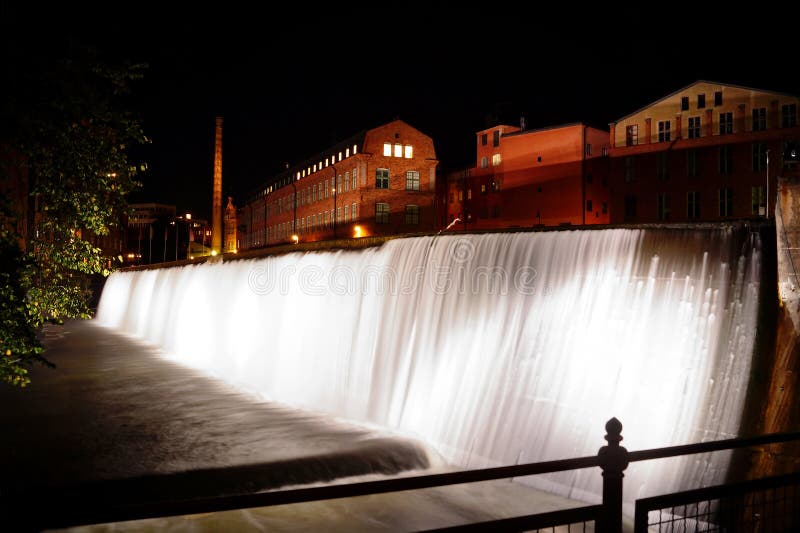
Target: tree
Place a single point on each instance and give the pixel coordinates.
(67, 125)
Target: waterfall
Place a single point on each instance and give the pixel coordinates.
(492, 348)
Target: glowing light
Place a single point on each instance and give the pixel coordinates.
(191, 257)
(131, 256)
(581, 325)
(295, 238)
(188, 216)
(213, 252)
(358, 232)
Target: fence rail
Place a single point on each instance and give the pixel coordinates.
(121, 500)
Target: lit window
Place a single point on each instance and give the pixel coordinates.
(355, 149)
(353, 211)
(387, 149)
(326, 161)
(398, 150)
(320, 165)
(340, 156)
(412, 214)
(409, 151)
(315, 167)
(355, 179)
(412, 180)
(347, 152)
(346, 181)
(496, 160)
(339, 184)
(298, 175)
(381, 213)
(346, 213)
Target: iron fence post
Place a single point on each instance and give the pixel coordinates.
(613, 459)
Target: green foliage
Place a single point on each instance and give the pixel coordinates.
(66, 120)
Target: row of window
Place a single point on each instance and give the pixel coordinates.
(494, 186)
(758, 203)
(328, 161)
(694, 130)
(398, 150)
(701, 101)
(382, 179)
(495, 138)
(725, 162)
(496, 160)
(382, 213)
(315, 222)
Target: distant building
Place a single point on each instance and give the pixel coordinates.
(149, 228)
(700, 154)
(378, 182)
(524, 178)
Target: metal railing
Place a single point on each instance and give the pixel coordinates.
(122, 500)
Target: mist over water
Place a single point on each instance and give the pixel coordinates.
(494, 349)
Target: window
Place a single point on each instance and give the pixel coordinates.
(353, 211)
(789, 115)
(484, 162)
(408, 151)
(691, 163)
(346, 181)
(382, 178)
(758, 200)
(355, 179)
(338, 214)
(496, 160)
(314, 193)
(725, 160)
(718, 98)
(588, 205)
(725, 123)
(630, 169)
(694, 127)
(398, 150)
(684, 103)
(701, 101)
(412, 180)
(381, 213)
(759, 118)
(469, 194)
(460, 196)
(759, 152)
(412, 214)
(339, 184)
(496, 138)
(387, 150)
(630, 206)
(662, 166)
(693, 204)
(662, 206)
(588, 149)
(483, 188)
(663, 131)
(632, 135)
(484, 139)
(495, 185)
(726, 202)
(346, 213)
(605, 151)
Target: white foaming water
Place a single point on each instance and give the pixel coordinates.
(494, 349)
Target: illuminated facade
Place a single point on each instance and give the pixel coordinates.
(379, 182)
(525, 178)
(701, 154)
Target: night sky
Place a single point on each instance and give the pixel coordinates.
(291, 83)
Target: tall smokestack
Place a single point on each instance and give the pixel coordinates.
(216, 216)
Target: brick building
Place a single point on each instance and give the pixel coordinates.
(378, 182)
(523, 178)
(700, 154)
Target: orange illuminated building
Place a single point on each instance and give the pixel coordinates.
(379, 182)
(706, 152)
(526, 178)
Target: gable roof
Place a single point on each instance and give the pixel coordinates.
(697, 82)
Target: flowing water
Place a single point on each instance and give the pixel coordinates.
(494, 349)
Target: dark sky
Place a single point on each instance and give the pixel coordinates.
(289, 83)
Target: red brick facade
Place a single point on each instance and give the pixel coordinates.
(545, 177)
(371, 192)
